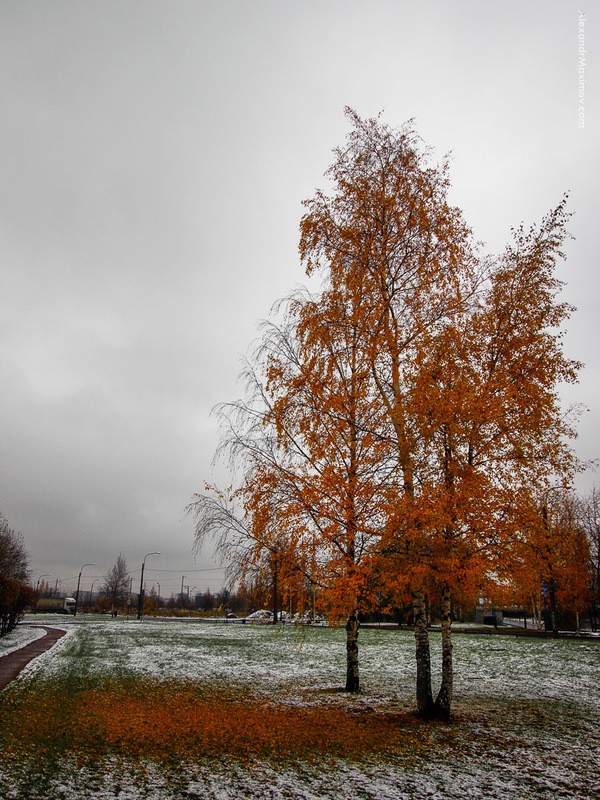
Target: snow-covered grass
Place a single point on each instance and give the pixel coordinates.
(527, 715)
(19, 637)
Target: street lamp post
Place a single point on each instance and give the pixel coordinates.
(78, 584)
(37, 587)
(141, 595)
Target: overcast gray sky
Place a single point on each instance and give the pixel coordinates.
(153, 160)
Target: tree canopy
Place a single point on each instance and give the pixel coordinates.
(401, 425)
(116, 582)
(15, 594)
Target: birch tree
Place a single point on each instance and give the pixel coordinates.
(465, 354)
(313, 472)
(398, 424)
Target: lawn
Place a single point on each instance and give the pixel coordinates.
(120, 709)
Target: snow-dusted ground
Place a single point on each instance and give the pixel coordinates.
(528, 712)
(301, 658)
(19, 637)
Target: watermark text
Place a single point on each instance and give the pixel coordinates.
(581, 64)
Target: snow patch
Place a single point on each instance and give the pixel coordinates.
(21, 636)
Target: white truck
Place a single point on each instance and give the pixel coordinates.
(54, 605)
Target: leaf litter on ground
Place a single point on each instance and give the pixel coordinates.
(220, 710)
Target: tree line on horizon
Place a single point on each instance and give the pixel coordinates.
(116, 593)
(401, 442)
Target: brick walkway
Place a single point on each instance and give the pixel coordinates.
(13, 663)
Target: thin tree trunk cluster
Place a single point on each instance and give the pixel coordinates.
(402, 425)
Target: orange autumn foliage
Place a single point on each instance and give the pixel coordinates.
(162, 721)
(550, 562)
(397, 423)
(466, 356)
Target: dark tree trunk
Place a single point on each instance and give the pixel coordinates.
(352, 677)
(443, 703)
(275, 588)
(553, 615)
(425, 705)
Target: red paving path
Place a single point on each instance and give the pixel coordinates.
(13, 663)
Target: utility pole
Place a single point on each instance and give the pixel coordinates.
(78, 584)
(141, 595)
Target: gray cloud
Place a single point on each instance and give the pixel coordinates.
(153, 160)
